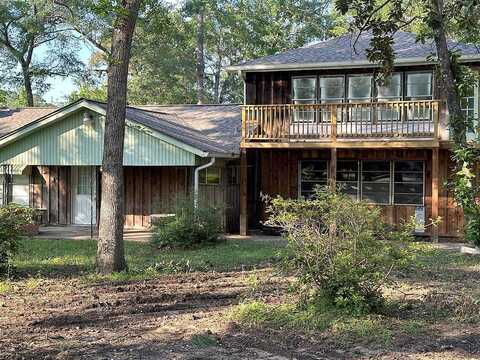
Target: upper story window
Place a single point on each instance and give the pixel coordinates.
(391, 89)
(419, 86)
(332, 89)
(304, 92)
(360, 88)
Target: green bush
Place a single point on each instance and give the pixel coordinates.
(189, 227)
(340, 249)
(13, 219)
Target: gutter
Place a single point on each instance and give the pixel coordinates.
(196, 180)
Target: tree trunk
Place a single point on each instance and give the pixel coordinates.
(216, 81)
(27, 84)
(200, 57)
(110, 251)
(447, 76)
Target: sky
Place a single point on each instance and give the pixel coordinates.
(61, 87)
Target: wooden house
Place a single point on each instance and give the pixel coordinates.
(316, 115)
(51, 159)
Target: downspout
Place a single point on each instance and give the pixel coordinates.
(195, 181)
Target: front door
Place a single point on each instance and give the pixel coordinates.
(83, 195)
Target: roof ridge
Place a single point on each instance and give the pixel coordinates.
(169, 105)
(28, 107)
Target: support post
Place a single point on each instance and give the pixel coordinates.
(243, 193)
(435, 184)
(333, 168)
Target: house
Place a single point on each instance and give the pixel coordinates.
(315, 115)
(51, 159)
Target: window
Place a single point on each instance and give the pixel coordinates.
(469, 105)
(332, 89)
(360, 90)
(376, 182)
(312, 173)
(419, 86)
(86, 179)
(210, 176)
(347, 177)
(304, 92)
(390, 90)
(20, 190)
(408, 183)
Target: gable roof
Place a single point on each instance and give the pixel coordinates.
(162, 124)
(11, 119)
(339, 52)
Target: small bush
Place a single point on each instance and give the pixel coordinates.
(189, 227)
(13, 219)
(340, 249)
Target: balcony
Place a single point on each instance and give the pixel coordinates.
(396, 123)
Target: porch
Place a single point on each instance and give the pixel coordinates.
(359, 124)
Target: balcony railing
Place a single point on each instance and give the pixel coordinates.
(394, 120)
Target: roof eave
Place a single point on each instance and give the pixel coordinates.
(340, 64)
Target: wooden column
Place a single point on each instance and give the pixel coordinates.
(435, 184)
(243, 193)
(333, 169)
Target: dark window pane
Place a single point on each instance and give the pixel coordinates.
(348, 187)
(380, 177)
(347, 176)
(314, 164)
(408, 199)
(347, 165)
(376, 198)
(409, 166)
(374, 187)
(376, 166)
(408, 177)
(408, 188)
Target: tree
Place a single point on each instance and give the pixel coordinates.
(110, 252)
(26, 29)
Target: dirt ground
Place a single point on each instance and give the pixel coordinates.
(179, 317)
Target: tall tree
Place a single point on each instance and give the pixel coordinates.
(28, 28)
(110, 252)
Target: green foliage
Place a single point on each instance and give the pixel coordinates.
(466, 190)
(12, 220)
(189, 227)
(339, 247)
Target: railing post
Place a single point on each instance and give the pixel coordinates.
(333, 121)
(436, 121)
(244, 124)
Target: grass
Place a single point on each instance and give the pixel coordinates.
(441, 287)
(57, 258)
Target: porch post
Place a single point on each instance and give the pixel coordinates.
(435, 172)
(243, 193)
(333, 168)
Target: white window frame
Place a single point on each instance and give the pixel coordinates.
(299, 115)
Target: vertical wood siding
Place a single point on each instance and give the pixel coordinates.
(278, 175)
(71, 142)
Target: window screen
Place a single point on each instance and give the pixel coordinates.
(376, 182)
(312, 173)
(347, 177)
(390, 90)
(419, 86)
(408, 182)
(210, 176)
(20, 190)
(360, 90)
(304, 92)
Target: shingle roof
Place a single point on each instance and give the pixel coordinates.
(12, 119)
(177, 127)
(221, 123)
(213, 129)
(340, 51)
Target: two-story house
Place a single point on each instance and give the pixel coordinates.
(315, 115)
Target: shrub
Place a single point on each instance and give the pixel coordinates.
(339, 247)
(13, 219)
(189, 227)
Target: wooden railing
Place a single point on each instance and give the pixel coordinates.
(329, 122)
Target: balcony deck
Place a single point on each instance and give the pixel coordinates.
(372, 124)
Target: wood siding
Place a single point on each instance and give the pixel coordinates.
(278, 175)
(72, 142)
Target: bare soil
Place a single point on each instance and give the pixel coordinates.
(182, 316)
